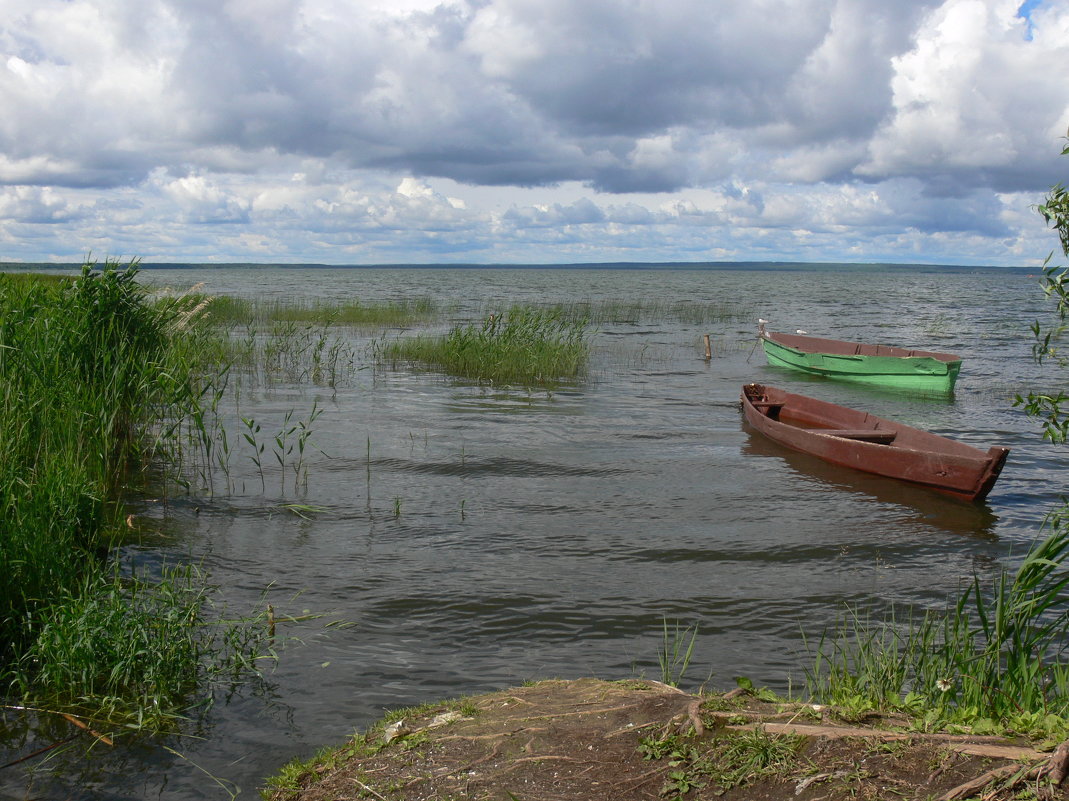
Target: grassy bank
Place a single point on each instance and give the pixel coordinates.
(993, 661)
(93, 377)
(636, 740)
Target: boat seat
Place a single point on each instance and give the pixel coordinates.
(866, 434)
(770, 405)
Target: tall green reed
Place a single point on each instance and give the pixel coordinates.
(87, 368)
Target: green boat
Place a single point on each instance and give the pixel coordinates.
(881, 365)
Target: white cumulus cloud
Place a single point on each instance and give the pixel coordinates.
(545, 130)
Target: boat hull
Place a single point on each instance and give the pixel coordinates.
(861, 441)
(934, 373)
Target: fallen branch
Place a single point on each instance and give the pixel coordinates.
(451, 771)
(631, 728)
(580, 712)
(820, 777)
(367, 789)
(971, 787)
(103, 738)
(38, 752)
(695, 718)
(962, 744)
(635, 782)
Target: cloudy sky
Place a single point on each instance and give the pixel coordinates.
(548, 131)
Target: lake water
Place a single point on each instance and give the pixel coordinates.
(475, 537)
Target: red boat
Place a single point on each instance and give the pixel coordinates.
(865, 442)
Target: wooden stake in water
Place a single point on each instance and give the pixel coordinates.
(708, 348)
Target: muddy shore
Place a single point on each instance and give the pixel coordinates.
(640, 740)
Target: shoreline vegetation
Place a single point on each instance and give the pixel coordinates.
(95, 379)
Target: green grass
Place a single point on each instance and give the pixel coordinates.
(91, 374)
(294, 775)
(134, 650)
(524, 346)
(267, 343)
(677, 647)
(729, 760)
(994, 660)
(30, 278)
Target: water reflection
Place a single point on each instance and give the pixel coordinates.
(928, 507)
(866, 394)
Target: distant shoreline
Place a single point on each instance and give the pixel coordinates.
(747, 266)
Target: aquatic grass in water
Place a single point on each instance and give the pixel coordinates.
(295, 341)
(390, 314)
(151, 674)
(524, 346)
(996, 655)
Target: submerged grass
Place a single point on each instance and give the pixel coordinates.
(649, 310)
(225, 309)
(526, 346)
(994, 660)
(87, 369)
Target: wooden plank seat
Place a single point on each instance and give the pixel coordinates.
(770, 405)
(867, 434)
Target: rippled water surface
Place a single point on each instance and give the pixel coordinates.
(476, 537)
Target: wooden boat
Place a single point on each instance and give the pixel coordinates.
(883, 365)
(865, 442)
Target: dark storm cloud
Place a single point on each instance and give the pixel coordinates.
(511, 92)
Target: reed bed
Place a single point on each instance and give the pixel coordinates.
(650, 310)
(87, 368)
(993, 660)
(266, 341)
(224, 309)
(224, 358)
(25, 278)
(524, 346)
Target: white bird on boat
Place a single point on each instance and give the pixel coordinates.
(800, 331)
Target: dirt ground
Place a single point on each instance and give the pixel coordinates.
(638, 740)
